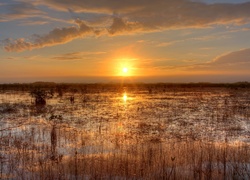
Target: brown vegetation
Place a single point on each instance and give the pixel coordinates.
(171, 133)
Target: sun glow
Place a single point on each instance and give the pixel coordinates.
(125, 70)
(124, 66)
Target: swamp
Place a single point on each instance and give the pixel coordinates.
(125, 131)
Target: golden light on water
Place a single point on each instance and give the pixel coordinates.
(120, 127)
(125, 97)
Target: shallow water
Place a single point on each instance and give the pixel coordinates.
(212, 114)
(105, 122)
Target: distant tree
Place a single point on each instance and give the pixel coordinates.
(61, 89)
(41, 96)
(72, 99)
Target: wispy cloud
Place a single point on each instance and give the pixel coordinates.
(10, 58)
(28, 12)
(76, 56)
(232, 62)
(246, 29)
(237, 62)
(237, 57)
(18, 10)
(33, 23)
(202, 38)
(18, 58)
(56, 36)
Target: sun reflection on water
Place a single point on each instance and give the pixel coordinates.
(125, 97)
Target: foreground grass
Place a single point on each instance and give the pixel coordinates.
(24, 158)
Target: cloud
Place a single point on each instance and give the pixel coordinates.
(26, 11)
(18, 10)
(127, 17)
(96, 6)
(216, 36)
(119, 26)
(246, 29)
(10, 58)
(237, 57)
(33, 23)
(231, 63)
(75, 56)
(64, 35)
(56, 36)
(161, 13)
(147, 15)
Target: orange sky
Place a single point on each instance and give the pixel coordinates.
(181, 40)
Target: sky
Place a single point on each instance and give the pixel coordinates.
(94, 40)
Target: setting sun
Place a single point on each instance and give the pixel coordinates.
(124, 66)
(125, 70)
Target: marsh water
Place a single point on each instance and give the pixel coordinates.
(190, 133)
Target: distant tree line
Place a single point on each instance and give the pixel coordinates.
(61, 88)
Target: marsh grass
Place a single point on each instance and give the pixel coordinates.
(180, 134)
(168, 160)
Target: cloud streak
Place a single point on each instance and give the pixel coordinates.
(233, 62)
(56, 36)
(237, 57)
(18, 10)
(75, 56)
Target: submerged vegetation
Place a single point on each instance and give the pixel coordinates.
(125, 131)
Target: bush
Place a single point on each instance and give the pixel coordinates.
(41, 96)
